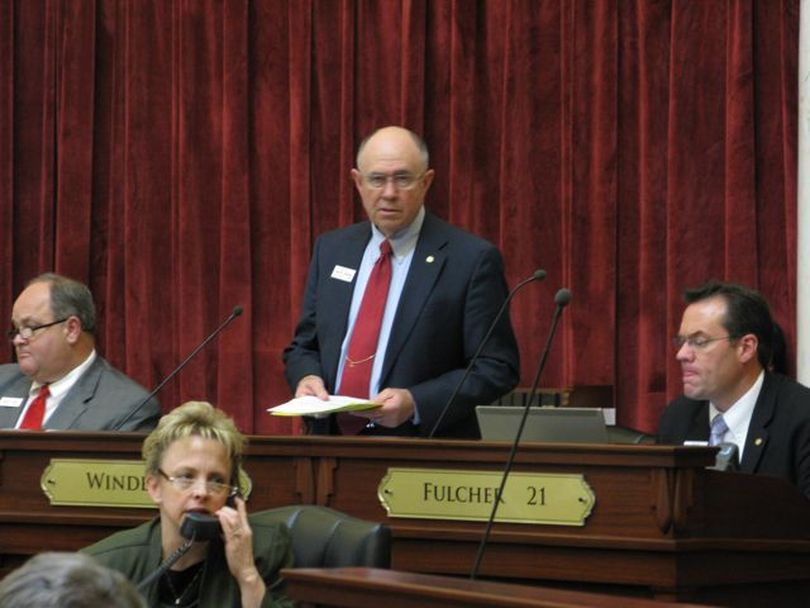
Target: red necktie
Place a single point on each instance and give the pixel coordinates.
(36, 411)
(365, 335)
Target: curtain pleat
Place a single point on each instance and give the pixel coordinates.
(642, 295)
(182, 157)
(7, 75)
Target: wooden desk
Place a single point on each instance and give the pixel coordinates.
(363, 588)
(662, 523)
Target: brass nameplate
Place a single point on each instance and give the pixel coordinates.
(528, 498)
(78, 482)
(96, 483)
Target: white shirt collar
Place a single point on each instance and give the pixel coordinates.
(403, 241)
(66, 382)
(738, 416)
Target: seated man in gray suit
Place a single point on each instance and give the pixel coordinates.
(59, 381)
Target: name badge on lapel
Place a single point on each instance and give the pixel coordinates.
(341, 273)
(10, 401)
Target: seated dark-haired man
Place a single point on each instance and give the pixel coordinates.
(59, 381)
(724, 348)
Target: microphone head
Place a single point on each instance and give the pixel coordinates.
(539, 275)
(237, 310)
(562, 297)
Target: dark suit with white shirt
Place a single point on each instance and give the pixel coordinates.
(778, 440)
(454, 288)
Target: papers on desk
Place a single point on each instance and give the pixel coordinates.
(312, 406)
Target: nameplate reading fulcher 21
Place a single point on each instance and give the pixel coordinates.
(528, 498)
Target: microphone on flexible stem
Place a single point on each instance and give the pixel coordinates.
(538, 275)
(561, 299)
(237, 310)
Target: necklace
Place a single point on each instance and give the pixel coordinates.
(188, 588)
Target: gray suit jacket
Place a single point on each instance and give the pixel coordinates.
(99, 401)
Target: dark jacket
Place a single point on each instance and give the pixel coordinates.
(454, 288)
(136, 553)
(778, 441)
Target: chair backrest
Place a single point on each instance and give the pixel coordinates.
(325, 538)
(619, 434)
(583, 395)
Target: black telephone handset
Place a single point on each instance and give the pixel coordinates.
(195, 527)
(200, 526)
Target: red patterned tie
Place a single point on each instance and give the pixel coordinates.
(366, 334)
(36, 411)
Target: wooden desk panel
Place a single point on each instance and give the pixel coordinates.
(363, 588)
(661, 522)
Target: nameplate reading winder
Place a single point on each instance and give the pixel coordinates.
(84, 482)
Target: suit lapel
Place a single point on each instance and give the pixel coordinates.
(337, 294)
(699, 425)
(76, 400)
(757, 437)
(428, 260)
(18, 389)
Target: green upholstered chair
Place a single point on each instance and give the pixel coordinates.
(325, 538)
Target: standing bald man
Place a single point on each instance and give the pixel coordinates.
(444, 288)
(59, 381)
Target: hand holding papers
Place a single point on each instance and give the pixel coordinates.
(312, 406)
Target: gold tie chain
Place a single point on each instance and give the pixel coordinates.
(353, 363)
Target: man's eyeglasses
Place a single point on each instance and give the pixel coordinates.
(186, 482)
(401, 181)
(26, 333)
(697, 342)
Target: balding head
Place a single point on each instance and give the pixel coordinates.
(392, 177)
(389, 135)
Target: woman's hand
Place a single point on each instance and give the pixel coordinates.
(238, 539)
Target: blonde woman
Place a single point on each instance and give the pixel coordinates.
(192, 465)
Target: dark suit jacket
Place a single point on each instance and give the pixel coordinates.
(99, 401)
(778, 441)
(454, 288)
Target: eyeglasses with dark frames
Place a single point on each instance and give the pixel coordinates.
(27, 332)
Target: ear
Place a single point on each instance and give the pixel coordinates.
(73, 329)
(357, 177)
(747, 346)
(428, 179)
(154, 489)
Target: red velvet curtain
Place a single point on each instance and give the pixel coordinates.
(181, 157)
